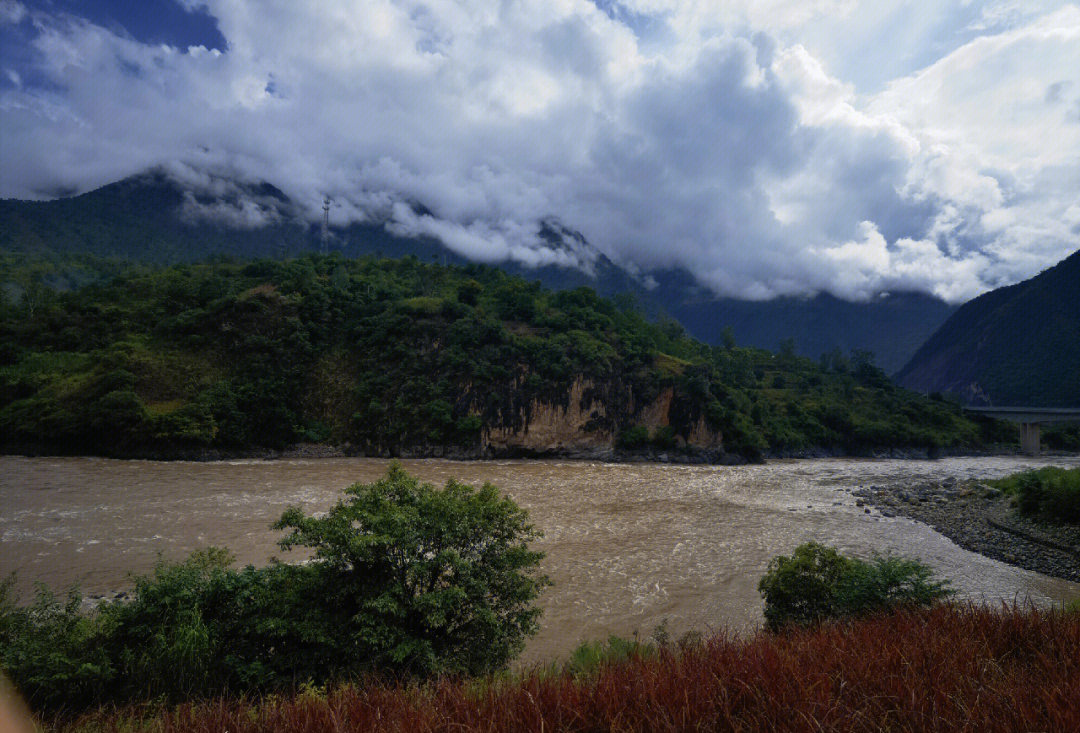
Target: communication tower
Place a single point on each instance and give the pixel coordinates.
(325, 224)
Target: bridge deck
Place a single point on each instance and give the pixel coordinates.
(1029, 414)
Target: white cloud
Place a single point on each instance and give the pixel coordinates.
(719, 138)
(11, 11)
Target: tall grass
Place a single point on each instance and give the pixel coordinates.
(951, 668)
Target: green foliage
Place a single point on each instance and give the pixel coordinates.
(1049, 493)
(426, 580)
(663, 437)
(727, 338)
(395, 356)
(802, 588)
(818, 583)
(886, 582)
(405, 579)
(634, 438)
(53, 653)
(1063, 437)
(590, 656)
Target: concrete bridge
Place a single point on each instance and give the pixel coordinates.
(1030, 418)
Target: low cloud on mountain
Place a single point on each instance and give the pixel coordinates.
(768, 148)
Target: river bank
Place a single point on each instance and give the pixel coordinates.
(676, 455)
(980, 518)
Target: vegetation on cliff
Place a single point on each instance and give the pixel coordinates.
(154, 217)
(399, 357)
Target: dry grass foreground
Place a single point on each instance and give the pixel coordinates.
(953, 668)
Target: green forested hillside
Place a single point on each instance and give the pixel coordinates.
(400, 357)
(155, 218)
(1018, 345)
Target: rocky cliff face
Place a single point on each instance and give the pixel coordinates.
(574, 428)
(553, 428)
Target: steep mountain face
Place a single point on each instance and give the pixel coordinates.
(891, 327)
(153, 218)
(1018, 345)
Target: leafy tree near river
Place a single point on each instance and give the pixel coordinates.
(404, 580)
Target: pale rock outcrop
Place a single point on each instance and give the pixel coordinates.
(657, 414)
(555, 428)
(702, 437)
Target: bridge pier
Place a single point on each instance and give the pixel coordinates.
(1029, 438)
(1030, 419)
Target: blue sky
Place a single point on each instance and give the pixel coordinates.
(770, 147)
(146, 21)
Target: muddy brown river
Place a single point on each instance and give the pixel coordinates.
(628, 545)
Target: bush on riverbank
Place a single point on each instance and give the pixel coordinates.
(948, 668)
(406, 580)
(818, 583)
(1048, 493)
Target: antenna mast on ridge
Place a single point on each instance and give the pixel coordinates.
(325, 223)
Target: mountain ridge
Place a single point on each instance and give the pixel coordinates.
(157, 218)
(1017, 345)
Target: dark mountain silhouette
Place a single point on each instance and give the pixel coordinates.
(892, 326)
(1018, 345)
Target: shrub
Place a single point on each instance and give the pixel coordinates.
(422, 580)
(1062, 437)
(802, 588)
(818, 583)
(51, 651)
(634, 438)
(664, 437)
(887, 582)
(1050, 493)
(590, 656)
(406, 579)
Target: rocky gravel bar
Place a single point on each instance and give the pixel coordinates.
(980, 518)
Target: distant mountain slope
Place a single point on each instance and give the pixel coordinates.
(891, 327)
(153, 218)
(1018, 345)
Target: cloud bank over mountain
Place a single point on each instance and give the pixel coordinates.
(769, 148)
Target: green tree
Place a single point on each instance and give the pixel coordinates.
(727, 338)
(802, 588)
(425, 580)
(818, 583)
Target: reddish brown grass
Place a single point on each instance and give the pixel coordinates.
(947, 669)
